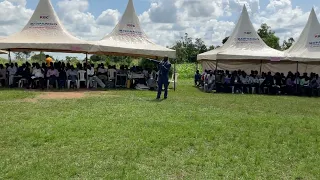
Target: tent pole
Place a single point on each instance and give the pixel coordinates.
(174, 75)
(9, 56)
(297, 76)
(260, 67)
(85, 68)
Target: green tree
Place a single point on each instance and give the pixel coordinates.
(18, 55)
(225, 39)
(211, 48)
(72, 60)
(26, 54)
(187, 50)
(287, 44)
(38, 58)
(269, 37)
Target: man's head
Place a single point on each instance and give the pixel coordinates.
(197, 72)
(47, 56)
(165, 59)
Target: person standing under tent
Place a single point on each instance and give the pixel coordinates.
(49, 60)
(164, 69)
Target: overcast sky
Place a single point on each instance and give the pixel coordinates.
(165, 21)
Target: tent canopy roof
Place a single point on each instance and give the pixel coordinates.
(44, 32)
(243, 44)
(128, 38)
(307, 47)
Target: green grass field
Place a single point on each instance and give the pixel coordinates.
(128, 135)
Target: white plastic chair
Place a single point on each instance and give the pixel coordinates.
(69, 82)
(174, 79)
(22, 82)
(81, 78)
(48, 83)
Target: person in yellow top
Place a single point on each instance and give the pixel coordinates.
(48, 60)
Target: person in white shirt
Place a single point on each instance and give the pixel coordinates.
(12, 70)
(92, 76)
(52, 75)
(102, 73)
(208, 87)
(254, 82)
(245, 82)
(37, 75)
(72, 75)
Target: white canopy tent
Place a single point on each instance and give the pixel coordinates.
(307, 47)
(244, 50)
(306, 50)
(128, 39)
(44, 32)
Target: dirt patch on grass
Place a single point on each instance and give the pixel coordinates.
(68, 95)
(61, 95)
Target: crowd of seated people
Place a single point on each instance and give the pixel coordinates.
(60, 75)
(254, 83)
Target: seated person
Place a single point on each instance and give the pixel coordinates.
(102, 73)
(278, 84)
(289, 89)
(267, 83)
(254, 82)
(52, 75)
(197, 78)
(236, 84)
(37, 75)
(62, 77)
(210, 82)
(245, 82)
(304, 84)
(226, 81)
(72, 75)
(152, 81)
(92, 77)
(3, 75)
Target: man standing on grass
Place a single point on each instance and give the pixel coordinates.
(164, 69)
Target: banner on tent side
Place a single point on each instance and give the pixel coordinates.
(247, 37)
(130, 29)
(43, 22)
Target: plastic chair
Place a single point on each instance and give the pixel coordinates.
(48, 84)
(112, 73)
(81, 78)
(174, 79)
(22, 82)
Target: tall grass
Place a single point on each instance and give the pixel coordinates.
(187, 71)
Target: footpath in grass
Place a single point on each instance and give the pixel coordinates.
(128, 135)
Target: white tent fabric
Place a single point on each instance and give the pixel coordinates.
(307, 47)
(243, 44)
(128, 38)
(44, 32)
